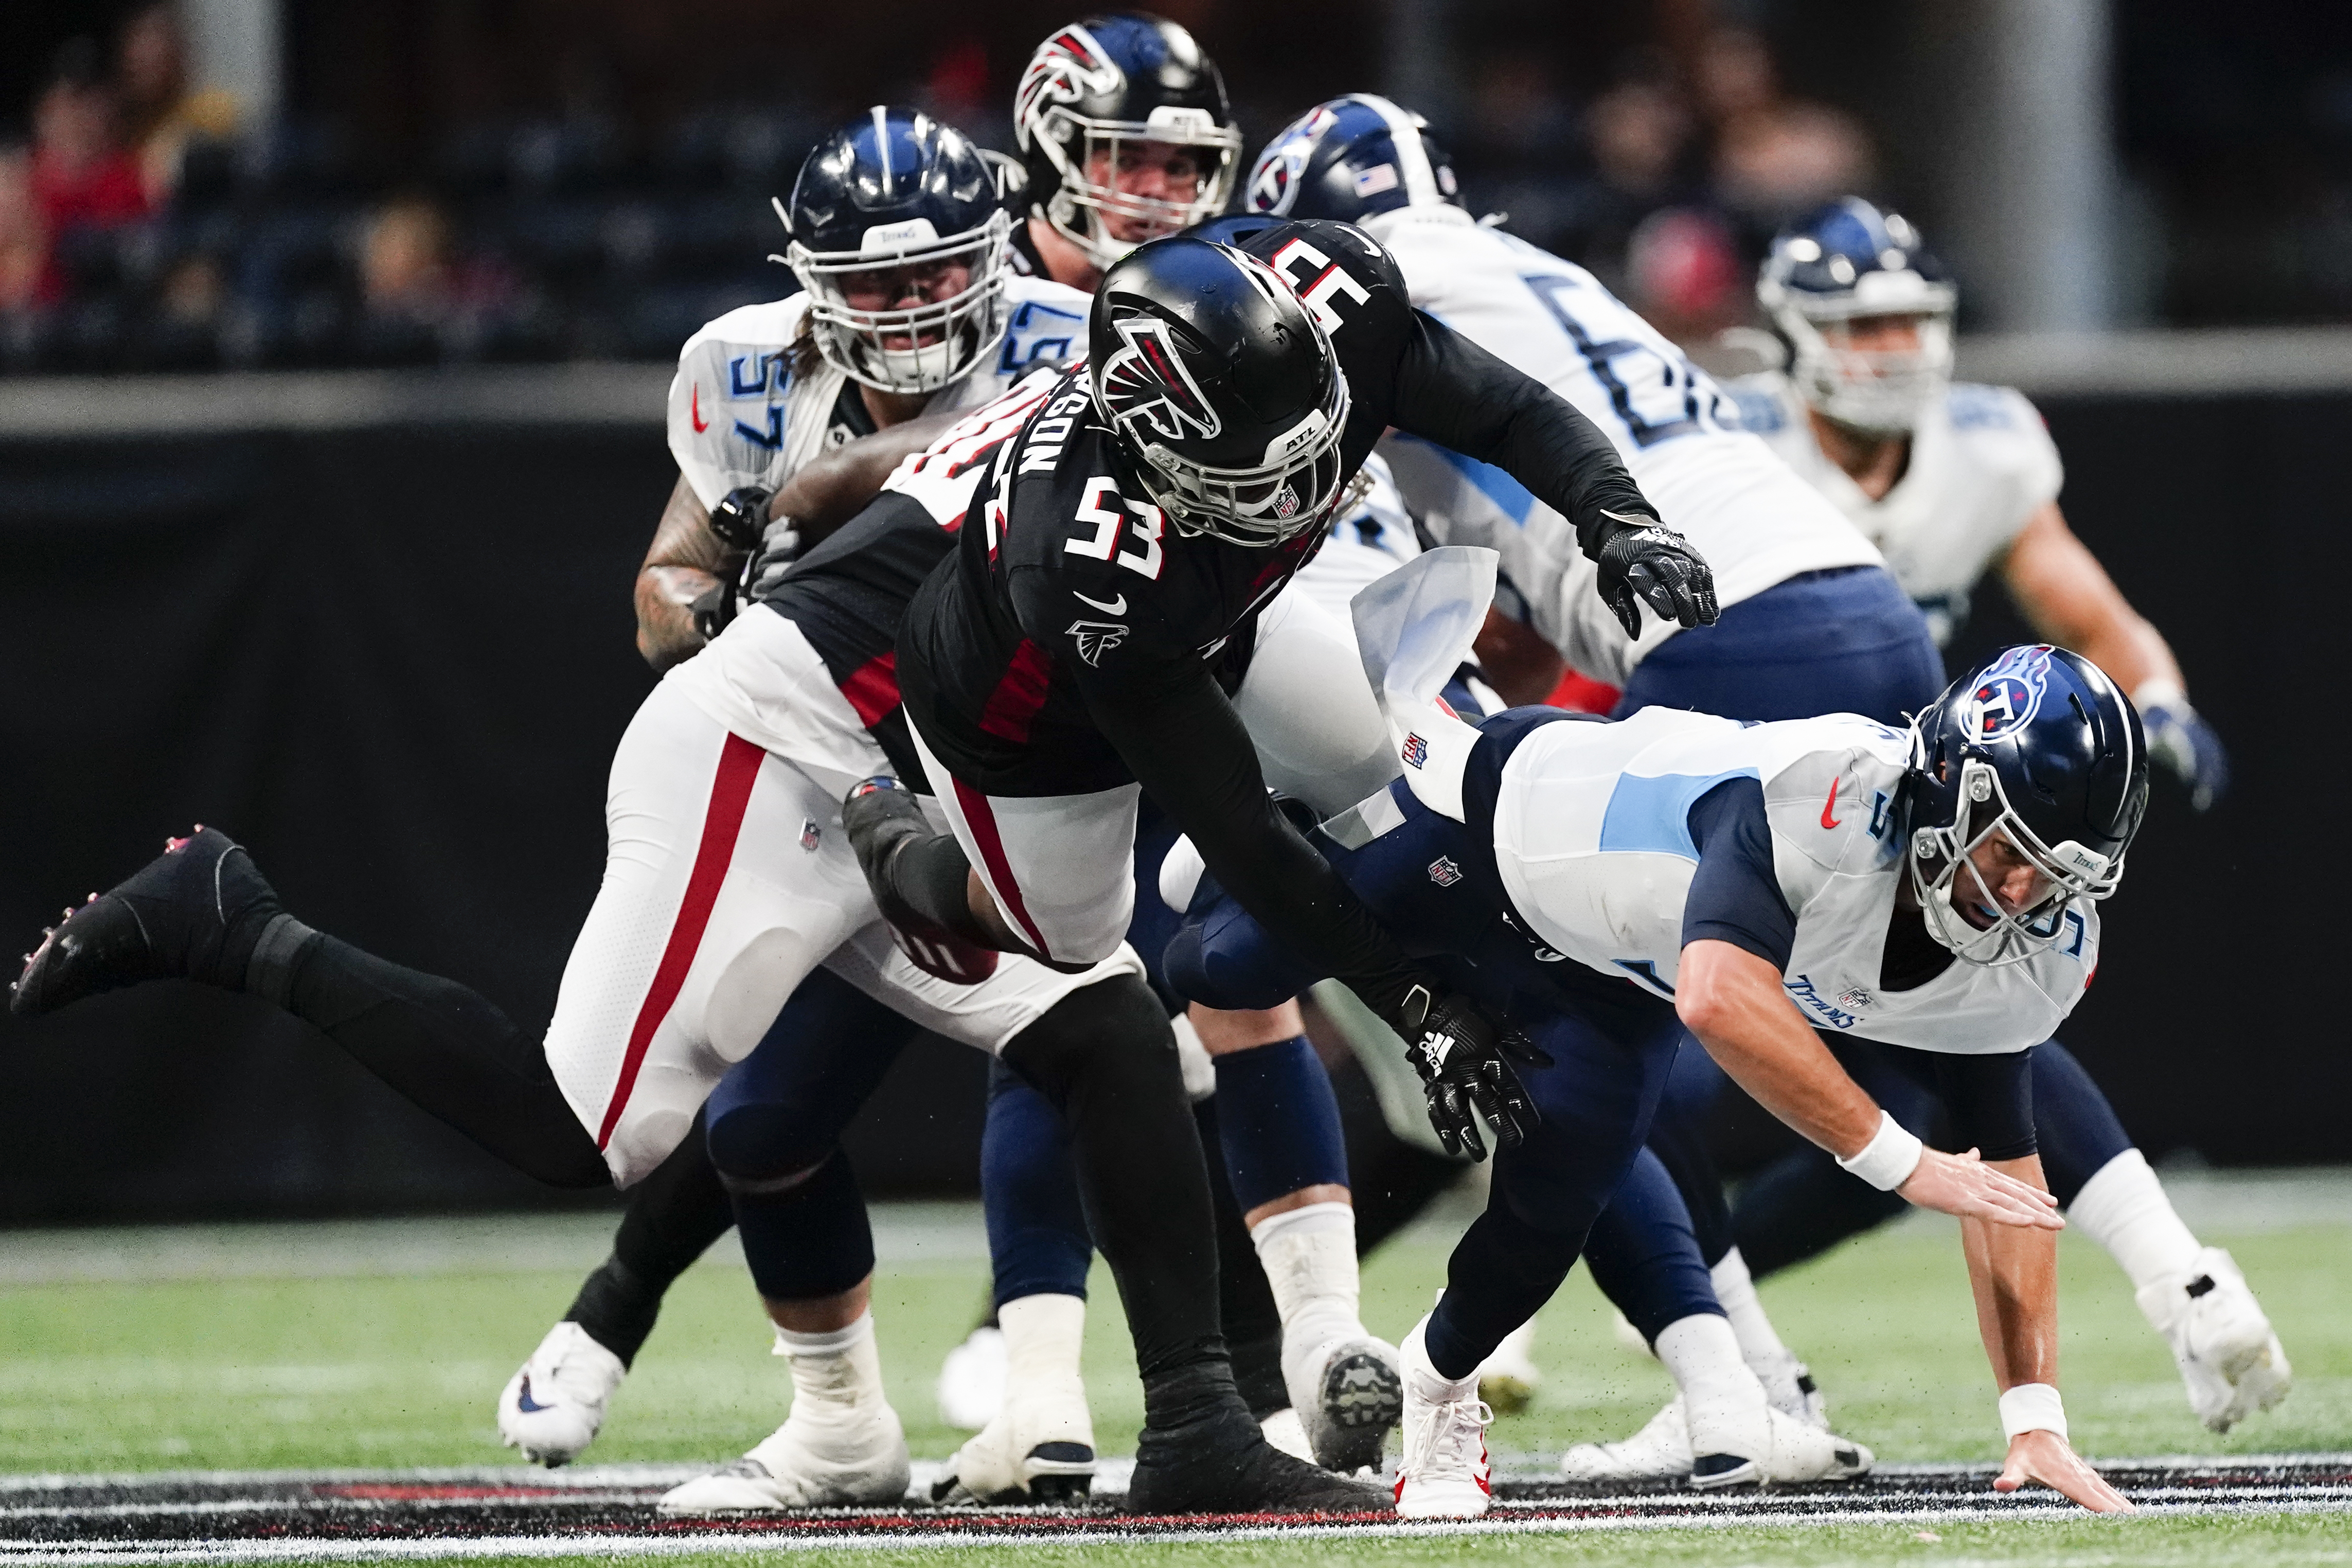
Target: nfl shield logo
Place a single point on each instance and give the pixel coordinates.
(1444, 872)
(1416, 752)
(1857, 999)
(1286, 503)
(810, 833)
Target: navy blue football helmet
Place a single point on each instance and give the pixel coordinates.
(1223, 387)
(887, 213)
(1348, 159)
(2035, 744)
(1846, 261)
(1089, 97)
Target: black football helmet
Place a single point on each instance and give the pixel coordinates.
(1222, 387)
(1348, 159)
(895, 193)
(2038, 745)
(1093, 92)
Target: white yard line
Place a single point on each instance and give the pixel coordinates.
(611, 1545)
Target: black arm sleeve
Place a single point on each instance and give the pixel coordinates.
(1990, 1099)
(1735, 895)
(1188, 748)
(1452, 391)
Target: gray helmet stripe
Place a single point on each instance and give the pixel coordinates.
(1412, 158)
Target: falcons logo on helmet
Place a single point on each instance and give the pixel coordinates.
(1067, 66)
(1148, 390)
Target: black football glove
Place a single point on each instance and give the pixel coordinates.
(1646, 560)
(740, 518)
(714, 607)
(1464, 1063)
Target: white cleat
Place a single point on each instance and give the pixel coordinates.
(1796, 1451)
(1660, 1451)
(1444, 1473)
(551, 1408)
(834, 1456)
(1789, 1388)
(1039, 1449)
(971, 1380)
(1285, 1432)
(1347, 1396)
(2223, 1342)
(1507, 1379)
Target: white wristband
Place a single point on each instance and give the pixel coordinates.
(1887, 1160)
(2158, 692)
(2033, 1407)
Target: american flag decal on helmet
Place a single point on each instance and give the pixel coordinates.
(1066, 67)
(1147, 388)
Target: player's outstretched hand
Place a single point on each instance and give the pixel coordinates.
(1963, 1184)
(2049, 1458)
(1465, 1059)
(1646, 562)
(2186, 744)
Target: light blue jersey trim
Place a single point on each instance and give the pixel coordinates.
(1652, 816)
(1512, 499)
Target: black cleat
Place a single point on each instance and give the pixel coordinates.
(882, 820)
(1219, 1462)
(196, 912)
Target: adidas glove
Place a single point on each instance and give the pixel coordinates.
(1646, 562)
(1464, 1061)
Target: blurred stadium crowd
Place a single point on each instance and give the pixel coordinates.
(146, 224)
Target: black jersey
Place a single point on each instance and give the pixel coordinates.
(849, 594)
(1072, 589)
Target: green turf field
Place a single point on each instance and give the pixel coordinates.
(285, 1369)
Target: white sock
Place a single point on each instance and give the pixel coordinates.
(1042, 1337)
(842, 1366)
(1309, 1254)
(1736, 1292)
(1721, 1397)
(2123, 1209)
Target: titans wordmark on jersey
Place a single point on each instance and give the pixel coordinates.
(1982, 463)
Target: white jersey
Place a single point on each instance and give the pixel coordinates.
(1592, 842)
(1982, 463)
(740, 414)
(1754, 520)
(1362, 547)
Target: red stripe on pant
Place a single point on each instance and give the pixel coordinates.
(730, 794)
(982, 820)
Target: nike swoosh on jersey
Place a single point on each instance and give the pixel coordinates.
(1116, 608)
(1831, 804)
(695, 408)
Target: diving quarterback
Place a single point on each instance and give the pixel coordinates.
(1608, 884)
(1952, 480)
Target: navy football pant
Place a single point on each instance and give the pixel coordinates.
(1843, 641)
(1596, 1100)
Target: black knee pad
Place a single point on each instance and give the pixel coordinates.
(1108, 1028)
